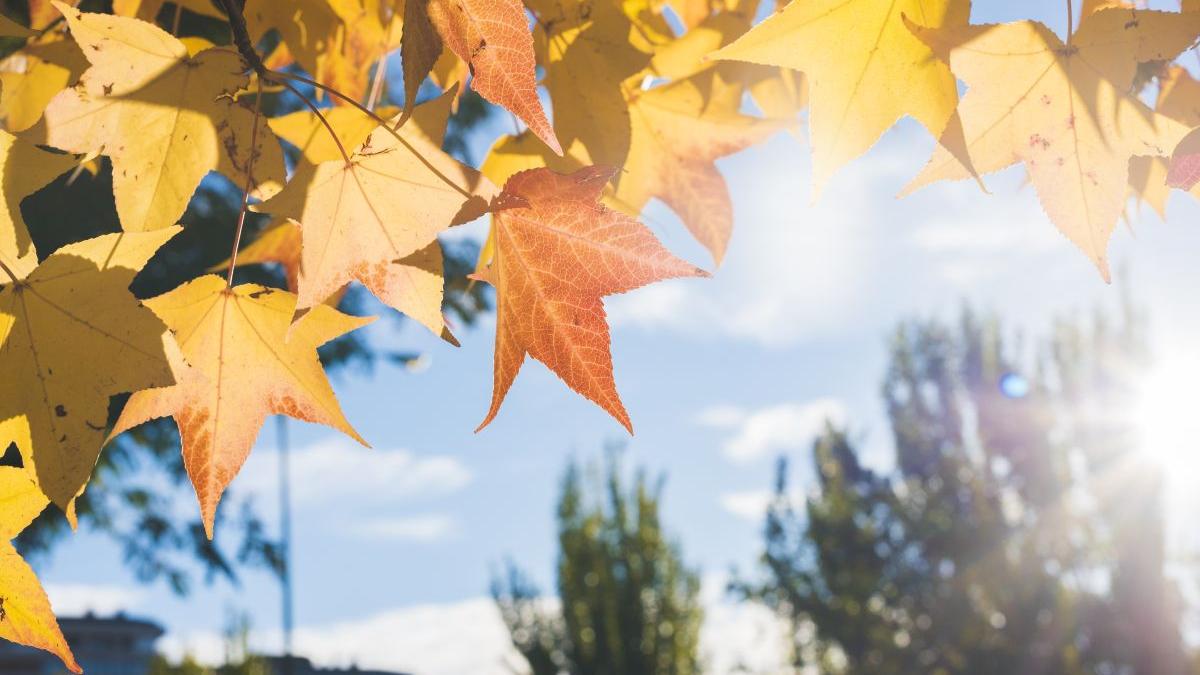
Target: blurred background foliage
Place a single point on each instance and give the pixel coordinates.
(627, 603)
(1019, 529)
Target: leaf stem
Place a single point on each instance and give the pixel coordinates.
(241, 222)
(394, 131)
(316, 111)
(178, 16)
(9, 272)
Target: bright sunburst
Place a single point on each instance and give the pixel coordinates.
(1168, 415)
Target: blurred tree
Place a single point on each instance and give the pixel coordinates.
(239, 660)
(628, 604)
(1018, 532)
(141, 473)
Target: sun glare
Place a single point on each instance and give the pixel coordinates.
(1168, 415)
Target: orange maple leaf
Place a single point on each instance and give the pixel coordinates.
(493, 37)
(244, 365)
(558, 251)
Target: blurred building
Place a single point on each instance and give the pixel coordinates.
(118, 645)
(296, 665)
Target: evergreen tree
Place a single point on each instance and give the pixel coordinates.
(628, 603)
(996, 543)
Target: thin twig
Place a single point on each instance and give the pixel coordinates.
(382, 123)
(241, 222)
(377, 84)
(9, 272)
(178, 16)
(316, 111)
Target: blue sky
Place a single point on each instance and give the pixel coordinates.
(393, 546)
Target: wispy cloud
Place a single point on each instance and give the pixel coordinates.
(104, 599)
(406, 528)
(749, 504)
(775, 429)
(337, 470)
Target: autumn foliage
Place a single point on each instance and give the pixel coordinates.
(644, 96)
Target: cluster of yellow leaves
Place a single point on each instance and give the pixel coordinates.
(640, 111)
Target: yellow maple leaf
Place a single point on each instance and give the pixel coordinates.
(1179, 99)
(369, 31)
(25, 614)
(247, 361)
(24, 169)
(165, 118)
(32, 75)
(676, 138)
(1064, 110)
(305, 130)
(308, 27)
(865, 70)
(10, 28)
(148, 10)
(419, 281)
(593, 111)
(73, 336)
(360, 218)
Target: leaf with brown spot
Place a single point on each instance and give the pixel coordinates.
(73, 336)
(27, 618)
(1066, 113)
(245, 365)
(558, 252)
(165, 118)
(361, 220)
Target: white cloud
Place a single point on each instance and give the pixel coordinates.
(434, 639)
(77, 599)
(336, 470)
(470, 637)
(775, 429)
(750, 504)
(410, 528)
(792, 271)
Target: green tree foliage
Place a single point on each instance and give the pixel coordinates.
(628, 604)
(1019, 530)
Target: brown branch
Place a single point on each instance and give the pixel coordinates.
(241, 35)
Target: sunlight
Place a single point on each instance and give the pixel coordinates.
(1167, 415)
